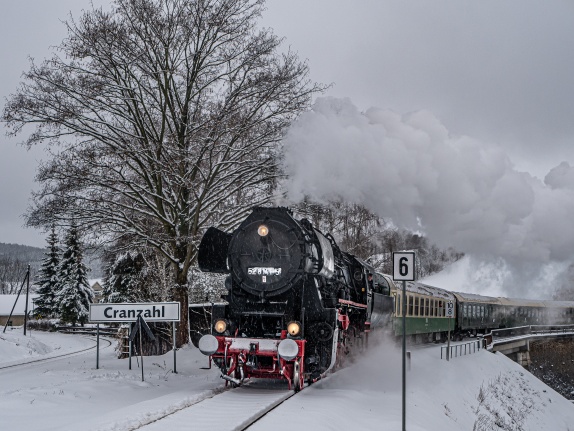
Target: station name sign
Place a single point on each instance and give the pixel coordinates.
(130, 312)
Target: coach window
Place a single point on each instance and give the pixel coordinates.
(410, 305)
(416, 312)
(432, 305)
(464, 311)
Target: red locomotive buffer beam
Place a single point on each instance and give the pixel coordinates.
(244, 358)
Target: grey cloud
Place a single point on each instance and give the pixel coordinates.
(458, 190)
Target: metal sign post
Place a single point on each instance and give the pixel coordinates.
(130, 345)
(27, 296)
(98, 346)
(174, 349)
(449, 315)
(141, 327)
(404, 270)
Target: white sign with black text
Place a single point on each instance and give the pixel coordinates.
(129, 312)
(450, 309)
(404, 266)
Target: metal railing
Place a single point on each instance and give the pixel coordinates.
(462, 349)
(505, 333)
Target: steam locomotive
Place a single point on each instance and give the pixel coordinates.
(295, 303)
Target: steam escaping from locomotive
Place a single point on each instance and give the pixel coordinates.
(460, 192)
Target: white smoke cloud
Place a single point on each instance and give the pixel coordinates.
(409, 168)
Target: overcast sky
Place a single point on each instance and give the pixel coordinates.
(498, 72)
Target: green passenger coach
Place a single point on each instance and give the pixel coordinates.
(426, 312)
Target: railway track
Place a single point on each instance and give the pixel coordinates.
(63, 355)
(244, 406)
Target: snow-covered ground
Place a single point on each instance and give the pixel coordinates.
(482, 391)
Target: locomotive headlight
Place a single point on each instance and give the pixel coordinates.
(294, 328)
(263, 230)
(220, 326)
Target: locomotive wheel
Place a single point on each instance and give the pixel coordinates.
(321, 331)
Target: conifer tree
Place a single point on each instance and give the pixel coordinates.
(124, 279)
(75, 294)
(46, 304)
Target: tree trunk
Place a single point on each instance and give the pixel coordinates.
(180, 294)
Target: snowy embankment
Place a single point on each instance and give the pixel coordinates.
(482, 391)
(15, 348)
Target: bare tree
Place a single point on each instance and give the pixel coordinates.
(12, 273)
(162, 116)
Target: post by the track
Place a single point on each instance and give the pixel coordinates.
(27, 296)
(404, 270)
(404, 313)
(174, 350)
(141, 326)
(449, 307)
(448, 342)
(97, 346)
(130, 345)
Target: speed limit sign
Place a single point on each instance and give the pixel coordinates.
(404, 266)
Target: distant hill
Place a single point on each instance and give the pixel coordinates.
(24, 253)
(34, 255)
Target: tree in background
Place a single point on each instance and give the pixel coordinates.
(167, 117)
(48, 279)
(74, 293)
(12, 273)
(364, 234)
(125, 279)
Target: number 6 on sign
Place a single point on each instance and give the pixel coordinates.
(404, 266)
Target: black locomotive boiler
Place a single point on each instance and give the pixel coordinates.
(295, 302)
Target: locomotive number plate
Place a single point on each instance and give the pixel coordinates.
(259, 270)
